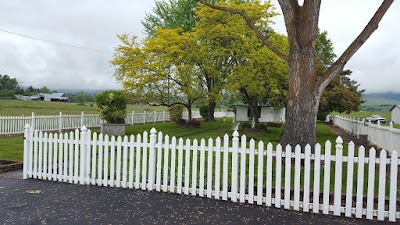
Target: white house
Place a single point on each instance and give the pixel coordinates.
(268, 114)
(395, 114)
(54, 97)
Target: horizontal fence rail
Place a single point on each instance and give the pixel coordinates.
(385, 137)
(15, 124)
(309, 179)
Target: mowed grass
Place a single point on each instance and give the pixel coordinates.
(11, 148)
(25, 108)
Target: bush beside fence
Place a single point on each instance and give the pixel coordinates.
(222, 169)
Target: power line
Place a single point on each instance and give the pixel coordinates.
(54, 42)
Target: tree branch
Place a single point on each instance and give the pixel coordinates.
(250, 24)
(357, 43)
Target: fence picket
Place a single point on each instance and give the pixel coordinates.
(217, 181)
(138, 148)
(112, 161)
(65, 169)
(288, 165)
(119, 159)
(194, 168)
(251, 172)
(268, 171)
(173, 163)
(349, 184)
(45, 155)
(202, 165)
(100, 161)
(307, 168)
(180, 166)
(209, 167)
(60, 157)
(297, 161)
(360, 182)
(371, 182)
(243, 165)
(106, 161)
(327, 178)
(144, 161)
(55, 157)
(382, 185)
(166, 165)
(159, 161)
(234, 169)
(317, 177)
(125, 162)
(131, 150)
(40, 155)
(393, 186)
(225, 169)
(278, 176)
(187, 167)
(260, 174)
(35, 155)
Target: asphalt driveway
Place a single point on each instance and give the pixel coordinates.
(45, 202)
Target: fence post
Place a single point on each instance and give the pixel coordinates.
(60, 123)
(26, 151)
(83, 151)
(33, 122)
(82, 119)
(391, 145)
(338, 177)
(152, 158)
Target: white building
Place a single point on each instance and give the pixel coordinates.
(395, 114)
(268, 114)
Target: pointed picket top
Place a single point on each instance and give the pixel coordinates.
(339, 140)
(84, 129)
(153, 131)
(235, 134)
(308, 146)
(217, 139)
(297, 146)
(269, 145)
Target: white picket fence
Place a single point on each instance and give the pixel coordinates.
(235, 170)
(15, 124)
(385, 137)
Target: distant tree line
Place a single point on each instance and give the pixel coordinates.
(9, 87)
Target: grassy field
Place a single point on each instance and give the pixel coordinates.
(11, 148)
(20, 108)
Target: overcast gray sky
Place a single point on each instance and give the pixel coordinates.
(94, 24)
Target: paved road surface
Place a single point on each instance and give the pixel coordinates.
(44, 202)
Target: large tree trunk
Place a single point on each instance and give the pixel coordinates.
(211, 109)
(254, 115)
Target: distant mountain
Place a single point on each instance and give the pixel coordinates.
(74, 91)
(384, 95)
(380, 101)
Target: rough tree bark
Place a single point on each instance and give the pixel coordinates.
(305, 86)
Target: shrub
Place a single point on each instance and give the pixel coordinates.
(195, 123)
(112, 106)
(203, 111)
(176, 113)
(274, 124)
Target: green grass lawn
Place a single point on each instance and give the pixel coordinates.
(20, 108)
(12, 147)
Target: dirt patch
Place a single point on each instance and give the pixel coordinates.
(347, 137)
(7, 165)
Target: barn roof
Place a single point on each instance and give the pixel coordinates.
(398, 106)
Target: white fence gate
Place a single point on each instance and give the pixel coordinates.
(385, 137)
(235, 170)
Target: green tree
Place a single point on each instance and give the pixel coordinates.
(8, 87)
(305, 84)
(162, 70)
